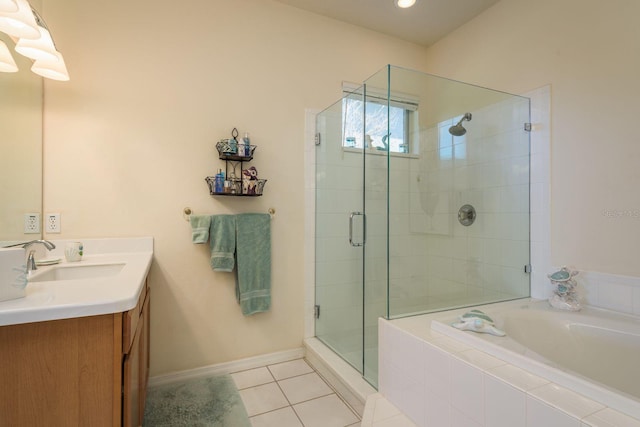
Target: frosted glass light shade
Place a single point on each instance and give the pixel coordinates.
(21, 23)
(51, 69)
(42, 48)
(8, 6)
(7, 64)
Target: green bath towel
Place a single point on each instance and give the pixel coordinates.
(253, 250)
(223, 242)
(200, 228)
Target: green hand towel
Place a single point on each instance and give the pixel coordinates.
(223, 242)
(200, 228)
(253, 250)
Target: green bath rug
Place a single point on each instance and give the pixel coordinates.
(201, 402)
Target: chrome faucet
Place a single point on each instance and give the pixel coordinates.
(31, 261)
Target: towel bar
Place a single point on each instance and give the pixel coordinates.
(186, 213)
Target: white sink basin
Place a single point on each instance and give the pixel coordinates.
(77, 272)
(108, 280)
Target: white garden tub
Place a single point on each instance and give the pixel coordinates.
(593, 352)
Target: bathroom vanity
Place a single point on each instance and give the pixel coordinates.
(75, 350)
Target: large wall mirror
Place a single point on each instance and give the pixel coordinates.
(20, 147)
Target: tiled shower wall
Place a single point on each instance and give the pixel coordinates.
(434, 260)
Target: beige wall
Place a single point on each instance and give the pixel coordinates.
(588, 52)
(129, 140)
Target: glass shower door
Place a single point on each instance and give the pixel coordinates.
(339, 236)
(351, 225)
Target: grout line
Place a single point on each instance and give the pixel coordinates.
(256, 385)
(294, 376)
(298, 376)
(317, 397)
(336, 392)
(271, 410)
(291, 405)
(283, 393)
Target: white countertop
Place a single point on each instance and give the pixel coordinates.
(64, 299)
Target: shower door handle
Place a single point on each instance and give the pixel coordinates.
(364, 229)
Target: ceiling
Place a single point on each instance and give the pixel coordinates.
(424, 23)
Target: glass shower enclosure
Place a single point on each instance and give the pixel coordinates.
(422, 205)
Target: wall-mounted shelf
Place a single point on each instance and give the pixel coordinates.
(236, 158)
(235, 183)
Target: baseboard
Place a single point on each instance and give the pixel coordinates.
(228, 367)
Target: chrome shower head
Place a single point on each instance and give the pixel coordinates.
(458, 129)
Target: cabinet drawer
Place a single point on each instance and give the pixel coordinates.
(130, 321)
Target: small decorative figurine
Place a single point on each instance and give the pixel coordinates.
(478, 321)
(564, 295)
(250, 179)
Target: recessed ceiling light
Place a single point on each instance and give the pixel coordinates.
(404, 3)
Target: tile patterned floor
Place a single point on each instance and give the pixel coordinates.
(291, 394)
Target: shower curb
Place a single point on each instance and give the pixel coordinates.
(347, 382)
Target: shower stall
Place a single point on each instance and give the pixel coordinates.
(422, 204)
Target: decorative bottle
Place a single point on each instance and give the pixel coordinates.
(246, 145)
(219, 182)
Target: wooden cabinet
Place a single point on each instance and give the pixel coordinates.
(86, 371)
(136, 370)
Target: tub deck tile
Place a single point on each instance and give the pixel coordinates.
(610, 418)
(480, 359)
(517, 377)
(566, 400)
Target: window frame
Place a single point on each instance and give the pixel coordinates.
(407, 103)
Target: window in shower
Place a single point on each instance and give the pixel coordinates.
(400, 114)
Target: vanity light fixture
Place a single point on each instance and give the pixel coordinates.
(20, 23)
(403, 4)
(40, 48)
(51, 69)
(7, 6)
(48, 61)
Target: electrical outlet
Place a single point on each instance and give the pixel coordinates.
(32, 223)
(52, 223)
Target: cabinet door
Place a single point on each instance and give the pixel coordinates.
(60, 373)
(144, 354)
(131, 416)
(136, 371)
